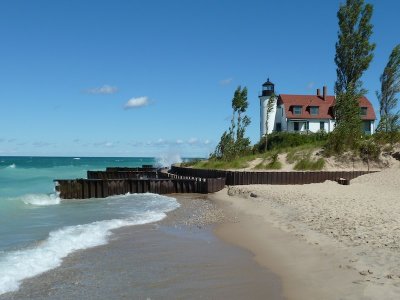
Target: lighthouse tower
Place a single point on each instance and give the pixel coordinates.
(268, 89)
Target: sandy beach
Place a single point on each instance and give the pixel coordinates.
(325, 241)
(316, 241)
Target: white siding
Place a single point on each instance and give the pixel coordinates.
(302, 125)
(313, 125)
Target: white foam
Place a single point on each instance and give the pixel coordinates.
(12, 166)
(77, 158)
(41, 199)
(18, 265)
(166, 160)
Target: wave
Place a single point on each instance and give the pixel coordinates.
(18, 265)
(41, 199)
(12, 166)
(77, 158)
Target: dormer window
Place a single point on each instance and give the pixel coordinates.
(363, 111)
(297, 110)
(314, 110)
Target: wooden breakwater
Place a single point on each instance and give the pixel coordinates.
(267, 177)
(125, 174)
(100, 188)
(118, 181)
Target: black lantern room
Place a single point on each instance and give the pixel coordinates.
(268, 88)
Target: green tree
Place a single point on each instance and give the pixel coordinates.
(390, 87)
(354, 52)
(270, 107)
(233, 142)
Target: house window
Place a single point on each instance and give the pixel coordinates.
(321, 125)
(367, 126)
(314, 110)
(296, 126)
(363, 111)
(297, 110)
(278, 127)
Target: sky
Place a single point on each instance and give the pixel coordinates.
(155, 78)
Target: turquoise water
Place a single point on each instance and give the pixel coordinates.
(38, 229)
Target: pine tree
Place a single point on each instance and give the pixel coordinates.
(354, 52)
(390, 87)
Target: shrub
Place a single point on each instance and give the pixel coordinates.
(387, 137)
(369, 150)
(308, 164)
(281, 140)
(273, 164)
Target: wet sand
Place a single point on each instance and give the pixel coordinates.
(177, 258)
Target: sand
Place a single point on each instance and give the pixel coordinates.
(325, 241)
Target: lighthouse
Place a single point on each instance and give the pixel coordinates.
(268, 89)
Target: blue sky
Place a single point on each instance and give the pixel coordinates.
(148, 78)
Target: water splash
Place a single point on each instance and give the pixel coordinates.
(166, 160)
(41, 199)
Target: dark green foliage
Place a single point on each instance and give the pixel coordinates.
(354, 53)
(369, 150)
(383, 138)
(234, 143)
(282, 140)
(390, 87)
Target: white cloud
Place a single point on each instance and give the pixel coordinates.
(161, 142)
(137, 102)
(104, 90)
(226, 81)
(207, 142)
(192, 141)
(179, 142)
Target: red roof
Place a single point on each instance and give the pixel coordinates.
(325, 107)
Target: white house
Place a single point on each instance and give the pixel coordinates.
(302, 113)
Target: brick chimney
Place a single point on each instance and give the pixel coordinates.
(324, 92)
(318, 92)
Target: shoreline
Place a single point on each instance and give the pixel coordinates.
(179, 256)
(324, 240)
(307, 271)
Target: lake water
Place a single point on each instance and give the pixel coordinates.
(38, 230)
